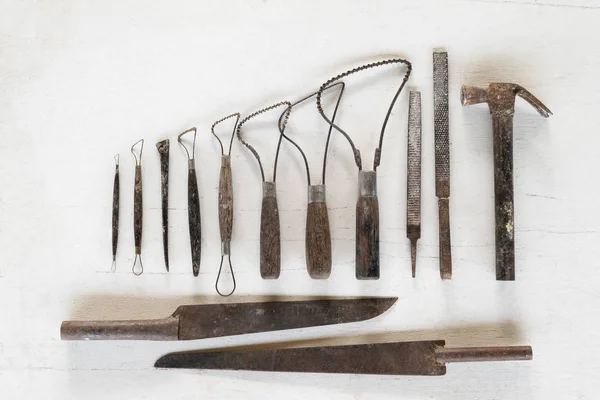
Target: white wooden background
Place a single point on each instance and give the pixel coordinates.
(82, 80)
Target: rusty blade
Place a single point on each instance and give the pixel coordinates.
(215, 320)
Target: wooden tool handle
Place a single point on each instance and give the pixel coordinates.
(194, 218)
(115, 213)
(367, 238)
(445, 245)
(138, 209)
(270, 242)
(318, 241)
(225, 200)
(153, 329)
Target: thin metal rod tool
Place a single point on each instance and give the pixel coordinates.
(318, 236)
(115, 215)
(442, 158)
(413, 203)
(270, 236)
(226, 202)
(367, 206)
(193, 203)
(163, 151)
(138, 209)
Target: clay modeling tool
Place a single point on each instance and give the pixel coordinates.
(413, 202)
(115, 215)
(270, 242)
(500, 98)
(216, 320)
(367, 206)
(226, 203)
(399, 358)
(442, 158)
(138, 209)
(193, 203)
(318, 236)
(163, 151)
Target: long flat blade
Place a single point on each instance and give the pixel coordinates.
(413, 204)
(442, 157)
(404, 358)
(214, 320)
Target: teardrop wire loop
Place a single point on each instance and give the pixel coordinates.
(219, 277)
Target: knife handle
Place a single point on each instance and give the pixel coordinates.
(367, 227)
(225, 200)
(318, 236)
(152, 329)
(270, 242)
(194, 218)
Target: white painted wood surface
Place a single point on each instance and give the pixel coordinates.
(81, 81)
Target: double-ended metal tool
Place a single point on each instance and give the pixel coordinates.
(115, 215)
(163, 151)
(270, 236)
(193, 203)
(399, 358)
(318, 235)
(413, 180)
(138, 209)
(500, 98)
(367, 206)
(226, 203)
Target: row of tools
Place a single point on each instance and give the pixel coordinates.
(500, 98)
(395, 358)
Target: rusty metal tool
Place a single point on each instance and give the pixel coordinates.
(138, 209)
(413, 192)
(399, 358)
(226, 202)
(216, 320)
(270, 241)
(318, 236)
(163, 151)
(441, 127)
(193, 203)
(500, 98)
(115, 215)
(367, 206)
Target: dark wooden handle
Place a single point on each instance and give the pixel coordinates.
(225, 200)
(138, 209)
(318, 241)
(270, 241)
(115, 213)
(194, 220)
(153, 329)
(367, 238)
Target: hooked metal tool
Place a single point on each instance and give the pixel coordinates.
(441, 128)
(226, 202)
(216, 320)
(413, 192)
(115, 215)
(399, 358)
(367, 206)
(318, 236)
(193, 203)
(270, 241)
(138, 209)
(500, 98)
(163, 151)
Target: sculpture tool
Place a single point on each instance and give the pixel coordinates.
(163, 151)
(115, 215)
(138, 209)
(413, 202)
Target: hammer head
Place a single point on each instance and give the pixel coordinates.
(500, 98)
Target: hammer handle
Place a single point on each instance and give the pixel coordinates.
(367, 237)
(318, 241)
(504, 195)
(270, 242)
(194, 219)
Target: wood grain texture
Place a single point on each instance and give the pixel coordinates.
(367, 238)
(270, 241)
(318, 241)
(194, 220)
(115, 213)
(138, 209)
(225, 200)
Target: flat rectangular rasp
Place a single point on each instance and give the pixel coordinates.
(413, 193)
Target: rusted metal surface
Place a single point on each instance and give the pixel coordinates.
(413, 179)
(138, 209)
(163, 151)
(500, 98)
(441, 127)
(401, 358)
(215, 320)
(115, 215)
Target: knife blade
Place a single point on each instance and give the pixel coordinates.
(215, 320)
